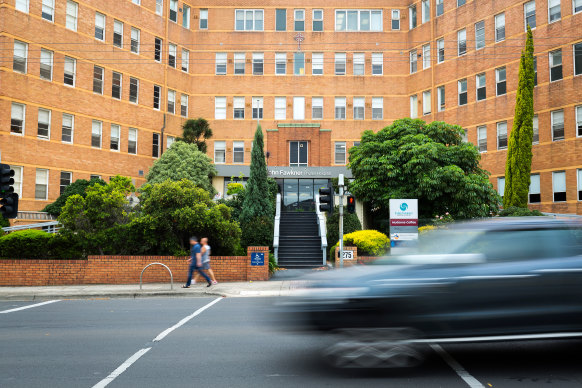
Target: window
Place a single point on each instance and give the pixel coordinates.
(340, 108)
(238, 104)
(462, 42)
(501, 186)
(185, 16)
(46, 65)
(576, 6)
(502, 135)
(132, 141)
(377, 108)
(116, 80)
(71, 16)
(298, 108)
(20, 57)
(114, 140)
(135, 40)
(500, 79)
(239, 63)
(96, 134)
(299, 19)
(359, 64)
(462, 84)
(172, 102)
(220, 63)
(536, 131)
(203, 19)
(174, 11)
(281, 20)
(48, 10)
(44, 124)
(340, 152)
(258, 63)
(412, 16)
(359, 108)
(219, 152)
(317, 108)
(67, 130)
(159, 7)
(426, 103)
(184, 105)
(117, 33)
(534, 189)
(440, 7)
(426, 56)
(41, 184)
(238, 152)
(441, 98)
(440, 50)
(425, 11)
(21, 5)
(169, 141)
(413, 107)
(133, 90)
(555, 65)
(157, 94)
(172, 53)
(280, 63)
(185, 60)
(280, 108)
(317, 20)
(577, 58)
(358, 20)
(248, 20)
(559, 186)
(413, 61)
(220, 108)
(99, 26)
(482, 138)
(138, 2)
(554, 12)
(461, 2)
(299, 63)
(535, 66)
(479, 35)
(500, 27)
(579, 121)
(17, 179)
(579, 183)
(481, 87)
(155, 145)
(17, 118)
(97, 79)
(395, 19)
(257, 107)
(158, 49)
(340, 63)
(529, 13)
(377, 63)
(317, 63)
(557, 125)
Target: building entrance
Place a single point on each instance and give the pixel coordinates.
(299, 194)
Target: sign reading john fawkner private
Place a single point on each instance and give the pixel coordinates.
(301, 172)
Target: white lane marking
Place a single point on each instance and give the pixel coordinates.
(122, 368)
(29, 307)
(516, 337)
(470, 380)
(164, 333)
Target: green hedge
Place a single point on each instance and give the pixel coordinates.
(368, 242)
(514, 211)
(36, 244)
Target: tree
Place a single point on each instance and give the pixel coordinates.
(412, 159)
(519, 155)
(196, 132)
(183, 161)
(77, 187)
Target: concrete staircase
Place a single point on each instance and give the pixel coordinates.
(299, 241)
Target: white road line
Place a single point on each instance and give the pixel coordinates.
(121, 369)
(29, 307)
(470, 380)
(164, 333)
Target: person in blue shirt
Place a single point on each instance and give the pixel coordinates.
(195, 262)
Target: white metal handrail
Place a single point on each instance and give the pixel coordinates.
(276, 227)
(50, 227)
(163, 265)
(322, 230)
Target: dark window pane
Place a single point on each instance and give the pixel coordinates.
(501, 88)
(463, 98)
(481, 93)
(535, 198)
(578, 59)
(556, 73)
(560, 197)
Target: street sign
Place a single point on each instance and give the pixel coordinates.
(257, 258)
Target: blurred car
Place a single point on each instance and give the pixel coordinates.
(500, 279)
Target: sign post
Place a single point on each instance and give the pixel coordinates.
(403, 224)
(341, 219)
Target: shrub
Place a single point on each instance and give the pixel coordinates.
(514, 211)
(351, 224)
(262, 232)
(426, 228)
(26, 244)
(368, 242)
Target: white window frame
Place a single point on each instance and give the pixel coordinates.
(377, 107)
(99, 17)
(257, 105)
(373, 16)
(186, 13)
(425, 11)
(96, 124)
(22, 6)
(115, 129)
(280, 108)
(414, 106)
(460, 91)
(413, 58)
(340, 103)
(440, 46)
(159, 7)
(18, 48)
(130, 140)
(359, 103)
(72, 120)
(239, 59)
(552, 65)
(185, 60)
(480, 38)
(359, 59)
(536, 130)
(412, 17)
(501, 186)
(461, 38)
(498, 18)
(184, 105)
(258, 59)
(22, 110)
(169, 141)
(426, 102)
(550, 6)
(297, 17)
(578, 175)
(317, 19)
(552, 123)
(157, 97)
(502, 127)
(437, 3)
(441, 98)
(426, 56)
(280, 63)
(72, 15)
(48, 113)
(534, 187)
(219, 150)
(18, 171)
(525, 10)
(317, 63)
(171, 101)
(576, 4)
(134, 81)
(221, 61)
(238, 147)
(299, 63)
(135, 38)
(118, 30)
(482, 130)
(340, 58)
(339, 145)
(298, 108)
(42, 182)
(46, 59)
(578, 123)
(238, 104)
(253, 12)
(478, 86)
(48, 8)
(203, 16)
(220, 108)
(102, 80)
(174, 10)
(395, 17)
(498, 80)
(574, 56)
(316, 103)
(113, 73)
(377, 63)
(172, 55)
(557, 177)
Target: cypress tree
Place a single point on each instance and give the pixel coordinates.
(519, 154)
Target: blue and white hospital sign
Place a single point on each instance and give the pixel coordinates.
(258, 258)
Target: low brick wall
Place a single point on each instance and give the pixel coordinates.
(126, 270)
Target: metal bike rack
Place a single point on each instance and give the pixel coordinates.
(163, 265)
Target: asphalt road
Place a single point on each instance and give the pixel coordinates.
(89, 343)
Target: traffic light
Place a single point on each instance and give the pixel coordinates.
(325, 200)
(351, 204)
(8, 198)
(9, 206)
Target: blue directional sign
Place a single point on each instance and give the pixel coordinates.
(257, 258)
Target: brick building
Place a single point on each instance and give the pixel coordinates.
(98, 88)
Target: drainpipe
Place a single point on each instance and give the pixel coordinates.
(162, 136)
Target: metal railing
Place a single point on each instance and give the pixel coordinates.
(322, 230)
(163, 265)
(31, 215)
(276, 228)
(50, 227)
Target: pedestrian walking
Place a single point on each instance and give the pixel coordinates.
(206, 260)
(195, 262)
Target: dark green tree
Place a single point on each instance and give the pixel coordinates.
(77, 187)
(519, 155)
(431, 162)
(196, 131)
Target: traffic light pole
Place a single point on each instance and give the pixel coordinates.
(341, 220)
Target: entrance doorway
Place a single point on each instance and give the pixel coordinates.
(298, 154)
(299, 194)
